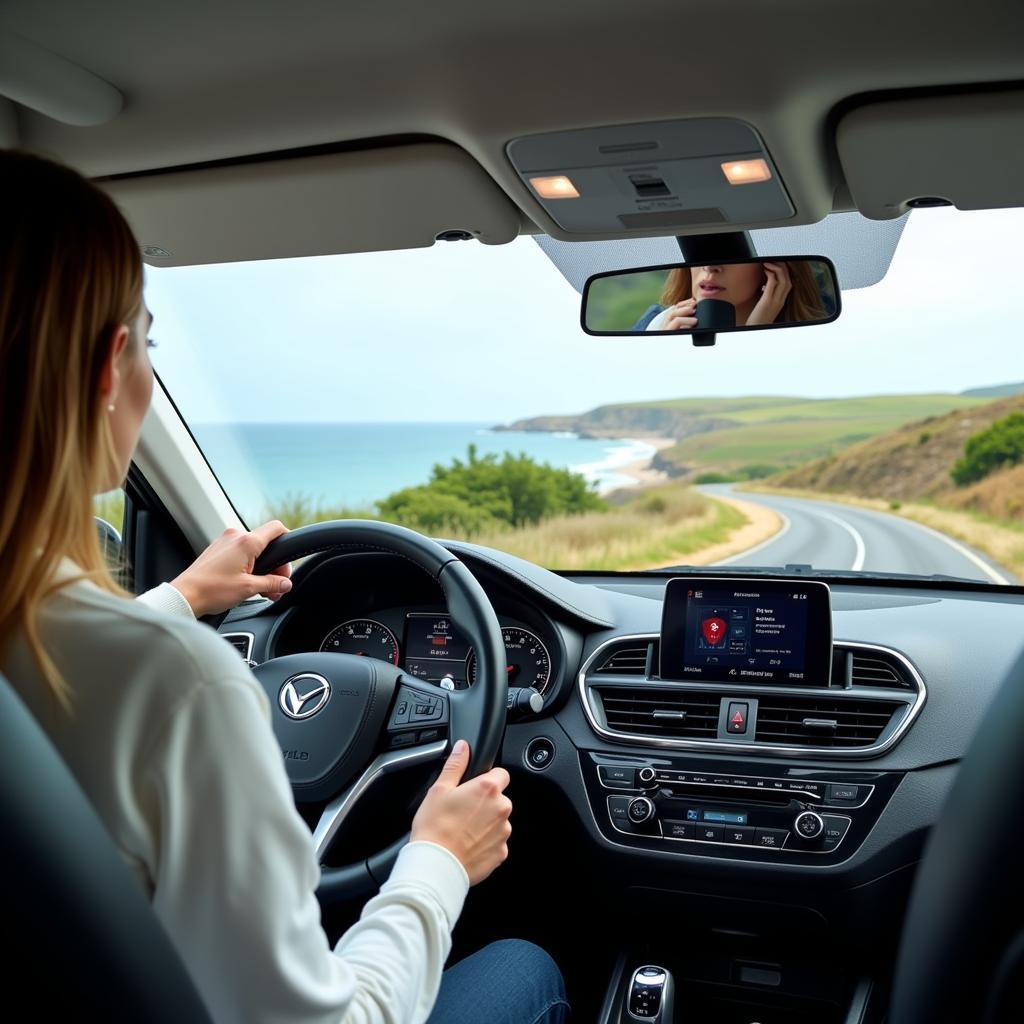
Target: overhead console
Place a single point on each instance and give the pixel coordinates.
(749, 665)
(664, 177)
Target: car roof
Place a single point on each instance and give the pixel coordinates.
(409, 105)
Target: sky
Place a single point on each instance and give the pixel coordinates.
(467, 332)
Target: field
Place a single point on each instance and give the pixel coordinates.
(785, 434)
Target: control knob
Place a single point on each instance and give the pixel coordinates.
(645, 776)
(640, 810)
(808, 826)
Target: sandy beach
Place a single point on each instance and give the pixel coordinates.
(642, 472)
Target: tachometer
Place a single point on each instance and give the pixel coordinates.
(365, 637)
(526, 659)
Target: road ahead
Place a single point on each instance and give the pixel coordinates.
(828, 535)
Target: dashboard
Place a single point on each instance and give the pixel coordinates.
(428, 645)
(754, 733)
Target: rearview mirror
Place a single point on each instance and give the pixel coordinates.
(733, 295)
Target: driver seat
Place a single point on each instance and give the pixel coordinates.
(83, 938)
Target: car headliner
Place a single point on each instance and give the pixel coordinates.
(207, 82)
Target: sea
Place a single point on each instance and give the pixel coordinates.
(357, 464)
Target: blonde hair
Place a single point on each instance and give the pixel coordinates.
(70, 275)
(803, 302)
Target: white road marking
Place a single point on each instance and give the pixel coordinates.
(858, 540)
(771, 540)
(994, 576)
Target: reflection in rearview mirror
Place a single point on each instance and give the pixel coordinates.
(783, 291)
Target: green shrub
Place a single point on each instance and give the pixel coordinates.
(716, 478)
(895, 504)
(924, 437)
(757, 471)
(482, 493)
(1001, 444)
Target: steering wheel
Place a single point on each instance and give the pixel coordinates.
(962, 951)
(343, 721)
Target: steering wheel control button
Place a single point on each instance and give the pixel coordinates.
(431, 735)
(616, 776)
(402, 739)
(540, 752)
(737, 717)
(679, 829)
(770, 838)
(415, 708)
(808, 825)
(640, 810)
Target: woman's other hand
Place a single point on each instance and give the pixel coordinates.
(776, 289)
(469, 819)
(682, 316)
(222, 575)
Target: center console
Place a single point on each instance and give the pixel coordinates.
(718, 809)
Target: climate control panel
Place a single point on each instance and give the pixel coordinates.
(709, 808)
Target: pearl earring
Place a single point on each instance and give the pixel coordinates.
(110, 408)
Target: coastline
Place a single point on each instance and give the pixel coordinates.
(641, 472)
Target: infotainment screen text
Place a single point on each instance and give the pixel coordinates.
(747, 631)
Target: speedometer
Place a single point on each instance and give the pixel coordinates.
(364, 637)
(526, 659)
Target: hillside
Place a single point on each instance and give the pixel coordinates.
(912, 461)
(676, 418)
(774, 431)
(996, 391)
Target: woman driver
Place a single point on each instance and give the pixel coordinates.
(762, 293)
(163, 725)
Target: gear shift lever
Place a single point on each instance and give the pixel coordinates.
(650, 995)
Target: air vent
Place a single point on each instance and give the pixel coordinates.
(242, 642)
(627, 660)
(879, 670)
(841, 723)
(650, 711)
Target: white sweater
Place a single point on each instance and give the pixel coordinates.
(171, 740)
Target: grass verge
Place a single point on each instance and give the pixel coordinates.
(662, 525)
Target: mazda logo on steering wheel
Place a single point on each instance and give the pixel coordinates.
(304, 695)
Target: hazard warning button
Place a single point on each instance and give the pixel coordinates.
(736, 720)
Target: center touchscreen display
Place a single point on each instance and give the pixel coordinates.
(747, 631)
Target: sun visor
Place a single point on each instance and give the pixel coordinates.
(395, 197)
(965, 150)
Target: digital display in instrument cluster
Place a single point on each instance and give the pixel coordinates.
(434, 648)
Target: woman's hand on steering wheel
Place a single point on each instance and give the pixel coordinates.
(222, 575)
(469, 819)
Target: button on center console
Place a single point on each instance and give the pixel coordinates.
(793, 815)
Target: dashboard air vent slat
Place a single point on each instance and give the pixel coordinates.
(815, 722)
(242, 642)
(660, 712)
(878, 670)
(628, 660)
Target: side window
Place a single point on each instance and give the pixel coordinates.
(109, 512)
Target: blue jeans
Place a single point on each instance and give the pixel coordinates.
(507, 982)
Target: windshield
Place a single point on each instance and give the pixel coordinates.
(452, 390)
